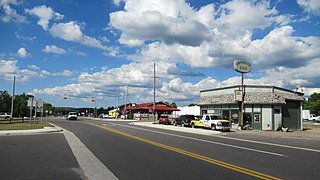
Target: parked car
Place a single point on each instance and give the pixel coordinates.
(5, 115)
(184, 120)
(164, 119)
(315, 118)
(72, 116)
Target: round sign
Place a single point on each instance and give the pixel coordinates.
(242, 66)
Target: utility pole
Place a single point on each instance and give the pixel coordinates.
(12, 99)
(117, 105)
(154, 92)
(242, 67)
(125, 103)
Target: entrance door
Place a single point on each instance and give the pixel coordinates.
(248, 120)
(257, 121)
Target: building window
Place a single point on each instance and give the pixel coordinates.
(225, 114)
(277, 111)
(256, 118)
(235, 116)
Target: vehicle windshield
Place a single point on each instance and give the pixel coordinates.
(72, 113)
(214, 117)
(187, 117)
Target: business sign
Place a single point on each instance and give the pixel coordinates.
(242, 66)
(238, 95)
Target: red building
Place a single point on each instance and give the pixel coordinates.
(145, 110)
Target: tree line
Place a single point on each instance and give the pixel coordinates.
(21, 109)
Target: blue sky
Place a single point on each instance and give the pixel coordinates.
(84, 49)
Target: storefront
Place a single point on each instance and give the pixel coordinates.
(265, 107)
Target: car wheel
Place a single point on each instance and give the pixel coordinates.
(192, 125)
(182, 124)
(174, 123)
(213, 127)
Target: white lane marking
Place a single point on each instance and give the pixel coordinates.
(206, 141)
(271, 144)
(92, 167)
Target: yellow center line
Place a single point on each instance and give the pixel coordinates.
(194, 155)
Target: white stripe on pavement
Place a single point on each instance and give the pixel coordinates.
(92, 167)
(271, 144)
(206, 141)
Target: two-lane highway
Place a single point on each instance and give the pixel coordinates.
(135, 152)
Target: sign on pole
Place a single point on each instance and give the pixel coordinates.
(238, 95)
(242, 66)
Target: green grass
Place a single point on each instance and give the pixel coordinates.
(22, 126)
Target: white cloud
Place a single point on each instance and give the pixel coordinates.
(64, 73)
(45, 14)
(22, 52)
(54, 49)
(9, 68)
(165, 20)
(33, 67)
(10, 14)
(71, 31)
(311, 6)
(117, 2)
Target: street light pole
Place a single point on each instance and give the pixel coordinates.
(12, 99)
(154, 92)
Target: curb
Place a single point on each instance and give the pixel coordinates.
(31, 131)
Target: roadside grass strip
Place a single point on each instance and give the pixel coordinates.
(194, 155)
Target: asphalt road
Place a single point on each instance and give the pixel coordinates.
(45, 156)
(135, 152)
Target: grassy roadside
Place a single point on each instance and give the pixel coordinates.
(4, 125)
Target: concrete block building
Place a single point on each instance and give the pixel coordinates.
(265, 107)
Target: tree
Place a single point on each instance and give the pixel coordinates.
(5, 101)
(20, 106)
(173, 104)
(313, 103)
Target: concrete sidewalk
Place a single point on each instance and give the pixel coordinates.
(177, 128)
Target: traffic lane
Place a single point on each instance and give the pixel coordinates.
(128, 158)
(45, 156)
(249, 160)
(278, 137)
(195, 169)
(288, 164)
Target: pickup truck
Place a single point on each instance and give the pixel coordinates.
(5, 115)
(213, 121)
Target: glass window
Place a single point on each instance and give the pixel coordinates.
(256, 118)
(277, 111)
(235, 116)
(225, 114)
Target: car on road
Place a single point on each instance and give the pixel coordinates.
(164, 119)
(184, 120)
(5, 115)
(72, 116)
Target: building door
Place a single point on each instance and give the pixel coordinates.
(256, 121)
(291, 115)
(248, 120)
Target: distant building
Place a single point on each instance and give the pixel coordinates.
(265, 107)
(145, 110)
